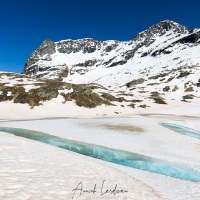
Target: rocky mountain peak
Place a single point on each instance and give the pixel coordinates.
(46, 47)
(87, 45)
(160, 29)
(168, 25)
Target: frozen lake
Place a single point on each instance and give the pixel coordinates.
(129, 159)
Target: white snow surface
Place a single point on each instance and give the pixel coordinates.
(32, 170)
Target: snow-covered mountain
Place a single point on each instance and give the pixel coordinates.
(163, 47)
(160, 65)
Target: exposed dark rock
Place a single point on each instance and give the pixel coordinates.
(135, 82)
(170, 79)
(183, 74)
(85, 97)
(43, 52)
(87, 63)
(82, 94)
(159, 29)
(110, 97)
(190, 38)
(144, 54)
(85, 45)
(188, 97)
(63, 72)
(111, 47)
(175, 88)
(193, 38)
(158, 76)
(132, 105)
(108, 62)
(189, 89)
(166, 89)
(142, 106)
(122, 62)
(157, 98)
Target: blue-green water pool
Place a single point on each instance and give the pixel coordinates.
(182, 130)
(111, 155)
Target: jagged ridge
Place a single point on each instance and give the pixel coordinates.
(88, 60)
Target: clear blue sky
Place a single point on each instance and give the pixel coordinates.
(24, 24)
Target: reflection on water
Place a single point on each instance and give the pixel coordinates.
(182, 130)
(116, 156)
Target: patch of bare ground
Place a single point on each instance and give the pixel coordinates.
(122, 127)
